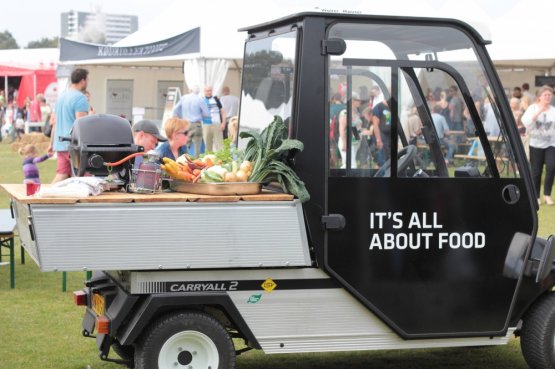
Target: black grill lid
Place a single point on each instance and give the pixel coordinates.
(98, 139)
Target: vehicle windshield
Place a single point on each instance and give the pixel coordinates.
(420, 85)
(268, 81)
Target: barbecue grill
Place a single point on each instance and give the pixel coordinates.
(99, 139)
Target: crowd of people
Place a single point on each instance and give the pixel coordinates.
(534, 115)
(13, 118)
(199, 124)
(208, 118)
(201, 121)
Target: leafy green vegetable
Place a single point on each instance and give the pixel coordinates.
(226, 154)
(269, 152)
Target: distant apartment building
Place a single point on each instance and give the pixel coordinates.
(97, 27)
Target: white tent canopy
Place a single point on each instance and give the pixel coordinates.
(523, 35)
(519, 37)
(221, 45)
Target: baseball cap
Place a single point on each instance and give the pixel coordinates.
(149, 126)
(355, 95)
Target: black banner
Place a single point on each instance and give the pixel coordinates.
(545, 80)
(185, 43)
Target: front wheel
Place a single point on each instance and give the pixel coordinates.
(185, 340)
(537, 339)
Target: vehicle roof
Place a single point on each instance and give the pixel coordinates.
(345, 16)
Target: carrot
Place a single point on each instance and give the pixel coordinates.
(185, 168)
(196, 172)
(186, 176)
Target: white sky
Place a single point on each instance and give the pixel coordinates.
(31, 20)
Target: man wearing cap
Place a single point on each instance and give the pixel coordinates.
(147, 135)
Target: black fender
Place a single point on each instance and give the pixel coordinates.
(157, 304)
(530, 291)
(119, 302)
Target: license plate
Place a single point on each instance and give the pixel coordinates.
(98, 304)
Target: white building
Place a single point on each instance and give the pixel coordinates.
(97, 27)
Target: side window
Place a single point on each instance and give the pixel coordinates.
(355, 142)
(454, 122)
(437, 116)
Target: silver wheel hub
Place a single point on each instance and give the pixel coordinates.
(188, 349)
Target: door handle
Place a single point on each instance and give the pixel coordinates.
(333, 222)
(511, 194)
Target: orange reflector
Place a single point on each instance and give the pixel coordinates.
(102, 325)
(80, 298)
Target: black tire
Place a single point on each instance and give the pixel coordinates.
(538, 334)
(125, 352)
(188, 338)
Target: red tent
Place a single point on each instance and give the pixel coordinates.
(33, 81)
(36, 69)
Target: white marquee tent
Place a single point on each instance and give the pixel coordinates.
(516, 32)
(218, 62)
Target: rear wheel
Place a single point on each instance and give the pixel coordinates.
(538, 334)
(185, 340)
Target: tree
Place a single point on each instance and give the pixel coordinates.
(44, 42)
(7, 41)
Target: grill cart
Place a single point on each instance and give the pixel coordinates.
(403, 243)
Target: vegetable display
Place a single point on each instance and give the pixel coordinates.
(187, 169)
(271, 152)
(266, 158)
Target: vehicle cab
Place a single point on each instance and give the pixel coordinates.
(433, 242)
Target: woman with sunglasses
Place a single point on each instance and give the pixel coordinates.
(177, 132)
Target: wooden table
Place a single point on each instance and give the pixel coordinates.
(18, 191)
(7, 227)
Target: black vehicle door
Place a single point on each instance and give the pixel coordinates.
(424, 246)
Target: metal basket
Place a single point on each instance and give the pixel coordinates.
(145, 180)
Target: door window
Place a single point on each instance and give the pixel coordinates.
(438, 116)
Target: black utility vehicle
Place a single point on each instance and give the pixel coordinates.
(415, 237)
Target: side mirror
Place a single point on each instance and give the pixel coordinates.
(333, 46)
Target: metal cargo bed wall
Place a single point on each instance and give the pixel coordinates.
(147, 236)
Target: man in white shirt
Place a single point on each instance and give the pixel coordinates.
(230, 104)
(442, 130)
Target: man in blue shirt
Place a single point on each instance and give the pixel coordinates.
(192, 108)
(71, 105)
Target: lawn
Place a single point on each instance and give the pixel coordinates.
(40, 327)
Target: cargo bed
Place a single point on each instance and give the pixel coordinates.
(122, 231)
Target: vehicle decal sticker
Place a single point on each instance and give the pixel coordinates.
(254, 299)
(268, 285)
(237, 285)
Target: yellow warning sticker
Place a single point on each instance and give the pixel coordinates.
(269, 285)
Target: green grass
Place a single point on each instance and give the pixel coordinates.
(40, 326)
